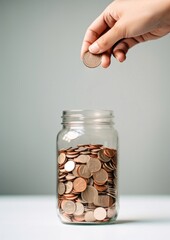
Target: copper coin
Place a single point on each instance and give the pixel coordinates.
(100, 177)
(71, 155)
(79, 184)
(61, 188)
(94, 146)
(105, 167)
(81, 148)
(93, 155)
(61, 158)
(100, 188)
(103, 157)
(104, 201)
(94, 165)
(95, 150)
(62, 176)
(92, 60)
(69, 187)
(72, 152)
(82, 159)
(84, 171)
(75, 173)
(70, 196)
(108, 167)
(62, 203)
(85, 153)
(79, 218)
(70, 176)
(109, 152)
(90, 194)
(62, 170)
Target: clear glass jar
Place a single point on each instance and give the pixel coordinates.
(87, 167)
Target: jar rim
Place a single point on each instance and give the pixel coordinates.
(87, 115)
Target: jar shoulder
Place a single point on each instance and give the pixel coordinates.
(73, 136)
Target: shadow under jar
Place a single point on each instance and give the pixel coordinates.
(87, 167)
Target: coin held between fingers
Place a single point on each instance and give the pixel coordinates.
(92, 60)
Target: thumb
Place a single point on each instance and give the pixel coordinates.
(108, 39)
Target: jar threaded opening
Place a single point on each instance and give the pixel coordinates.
(87, 117)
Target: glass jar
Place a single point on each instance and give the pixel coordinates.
(87, 167)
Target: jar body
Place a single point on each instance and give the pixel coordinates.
(87, 169)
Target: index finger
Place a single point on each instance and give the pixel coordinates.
(93, 32)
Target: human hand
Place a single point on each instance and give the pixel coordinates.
(125, 23)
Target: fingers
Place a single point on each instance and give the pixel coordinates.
(93, 32)
(121, 49)
(107, 40)
(98, 39)
(106, 59)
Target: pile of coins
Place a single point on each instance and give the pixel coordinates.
(87, 183)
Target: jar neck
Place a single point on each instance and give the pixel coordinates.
(75, 118)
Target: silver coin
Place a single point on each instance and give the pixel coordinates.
(92, 60)
(69, 166)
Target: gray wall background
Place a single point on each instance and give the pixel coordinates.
(41, 74)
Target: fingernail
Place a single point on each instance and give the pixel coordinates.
(94, 48)
(118, 57)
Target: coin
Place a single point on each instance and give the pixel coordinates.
(70, 176)
(61, 158)
(79, 209)
(71, 155)
(69, 166)
(111, 211)
(94, 146)
(94, 165)
(79, 184)
(100, 188)
(79, 218)
(100, 177)
(89, 216)
(69, 187)
(62, 176)
(100, 213)
(61, 188)
(69, 207)
(103, 201)
(87, 180)
(84, 171)
(81, 148)
(62, 203)
(75, 173)
(102, 156)
(92, 60)
(109, 152)
(82, 159)
(62, 170)
(95, 150)
(89, 194)
(70, 196)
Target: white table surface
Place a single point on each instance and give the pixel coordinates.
(34, 217)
